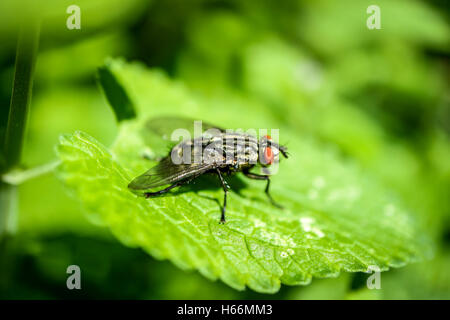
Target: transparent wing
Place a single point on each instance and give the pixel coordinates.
(165, 126)
(166, 172)
(157, 132)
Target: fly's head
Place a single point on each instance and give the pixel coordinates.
(269, 151)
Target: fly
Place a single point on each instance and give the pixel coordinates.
(222, 152)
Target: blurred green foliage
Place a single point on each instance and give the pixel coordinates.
(378, 97)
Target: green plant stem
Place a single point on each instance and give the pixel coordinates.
(8, 204)
(21, 93)
(17, 177)
(17, 120)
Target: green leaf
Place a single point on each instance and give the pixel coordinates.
(336, 217)
(116, 95)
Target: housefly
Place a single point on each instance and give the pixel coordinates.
(218, 151)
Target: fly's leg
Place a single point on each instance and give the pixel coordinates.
(225, 189)
(263, 177)
(157, 193)
(273, 202)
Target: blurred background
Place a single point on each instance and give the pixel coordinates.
(380, 96)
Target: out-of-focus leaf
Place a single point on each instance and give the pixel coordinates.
(306, 97)
(79, 60)
(45, 207)
(401, 20)
(95, 15)
(116, 95)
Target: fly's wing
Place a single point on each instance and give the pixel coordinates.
(165, 126)
(166, 172)
(157, 133)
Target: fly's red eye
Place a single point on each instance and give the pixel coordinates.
(268, 155)
(268, 137)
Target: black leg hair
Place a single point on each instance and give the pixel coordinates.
(157, 193)
(263, 177)
(225, 189)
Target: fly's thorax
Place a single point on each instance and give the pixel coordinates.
(234, 149)
(240, 148)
